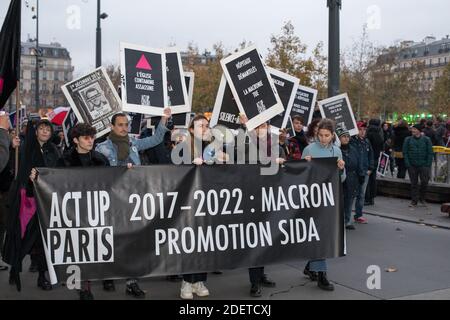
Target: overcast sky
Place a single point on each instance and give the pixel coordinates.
(205, 22)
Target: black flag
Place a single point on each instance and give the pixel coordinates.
(10, 51)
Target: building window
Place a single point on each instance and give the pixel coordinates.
(56, 76)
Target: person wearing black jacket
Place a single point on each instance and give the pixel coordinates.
(23, 234)
(83, 155)
(401, 132)
(376, 138)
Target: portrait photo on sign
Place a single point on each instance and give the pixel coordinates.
(339, 109)
(252, 86)
(94, 100)
(286, 86)
(143, 79)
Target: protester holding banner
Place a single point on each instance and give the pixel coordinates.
(200, 137)
(365, 151)
(353, 171)
(122, 150)
(296, 144)
(83, 155)
(323, 148)
(23, 233)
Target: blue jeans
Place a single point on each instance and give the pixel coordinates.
(360, 198)
(318, 265)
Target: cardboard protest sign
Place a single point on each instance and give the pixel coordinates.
(135, 121)
(93, 99)
(189, 78)
(226, 111)
(338, 108)
(177, 99)
(383, 164)
(304, 104)
(69, 122)
(252, 86)
(286, 86)
(144, 79)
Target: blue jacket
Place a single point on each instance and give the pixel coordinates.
(365, 152)
(109, 149)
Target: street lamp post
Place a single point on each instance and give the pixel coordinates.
(98, 46)
(334, 47)
(36, 16)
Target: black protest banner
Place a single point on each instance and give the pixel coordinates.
(252, 87)
(286, 86)
(94, 100)
(338, 108)
(162, 220)
(69, 122)
(226, 111)
(304, 104)
(178, 99)
(144, 84)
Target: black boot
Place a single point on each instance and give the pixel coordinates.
(311, 274)
(323, 282)
(266, 282)
(43, 283)
(86, 294)
(134, 290)
(255, 290)
(108, 285)
(14, 279)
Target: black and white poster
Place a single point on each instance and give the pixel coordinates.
(226, 111)
(286, 86)
(179, 120)
(177, 99)
(69, 122)
(189, 78)
(252, 86)
(165, 219)
(143, 79)
(383, 164)
(304, 104)
(338, 108)
(134, 123)
(94, 100)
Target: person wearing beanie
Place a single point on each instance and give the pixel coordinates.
(418, 155)
(354, 171)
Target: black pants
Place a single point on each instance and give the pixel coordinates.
(195, 277)
(3, 217)
(371, 191)
(419, 193)
(37, 254)
(256, 275)
(401, 174)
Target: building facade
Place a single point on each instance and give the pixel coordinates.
(433, 56)
(55, 69)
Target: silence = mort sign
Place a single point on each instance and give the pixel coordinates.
(144, 79)
(178, 99)
(339, 109)
(286, 86)
(252, 87)
(304, 104)
(226, 111)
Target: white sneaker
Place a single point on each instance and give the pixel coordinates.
(199, 289)
(186, 291)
